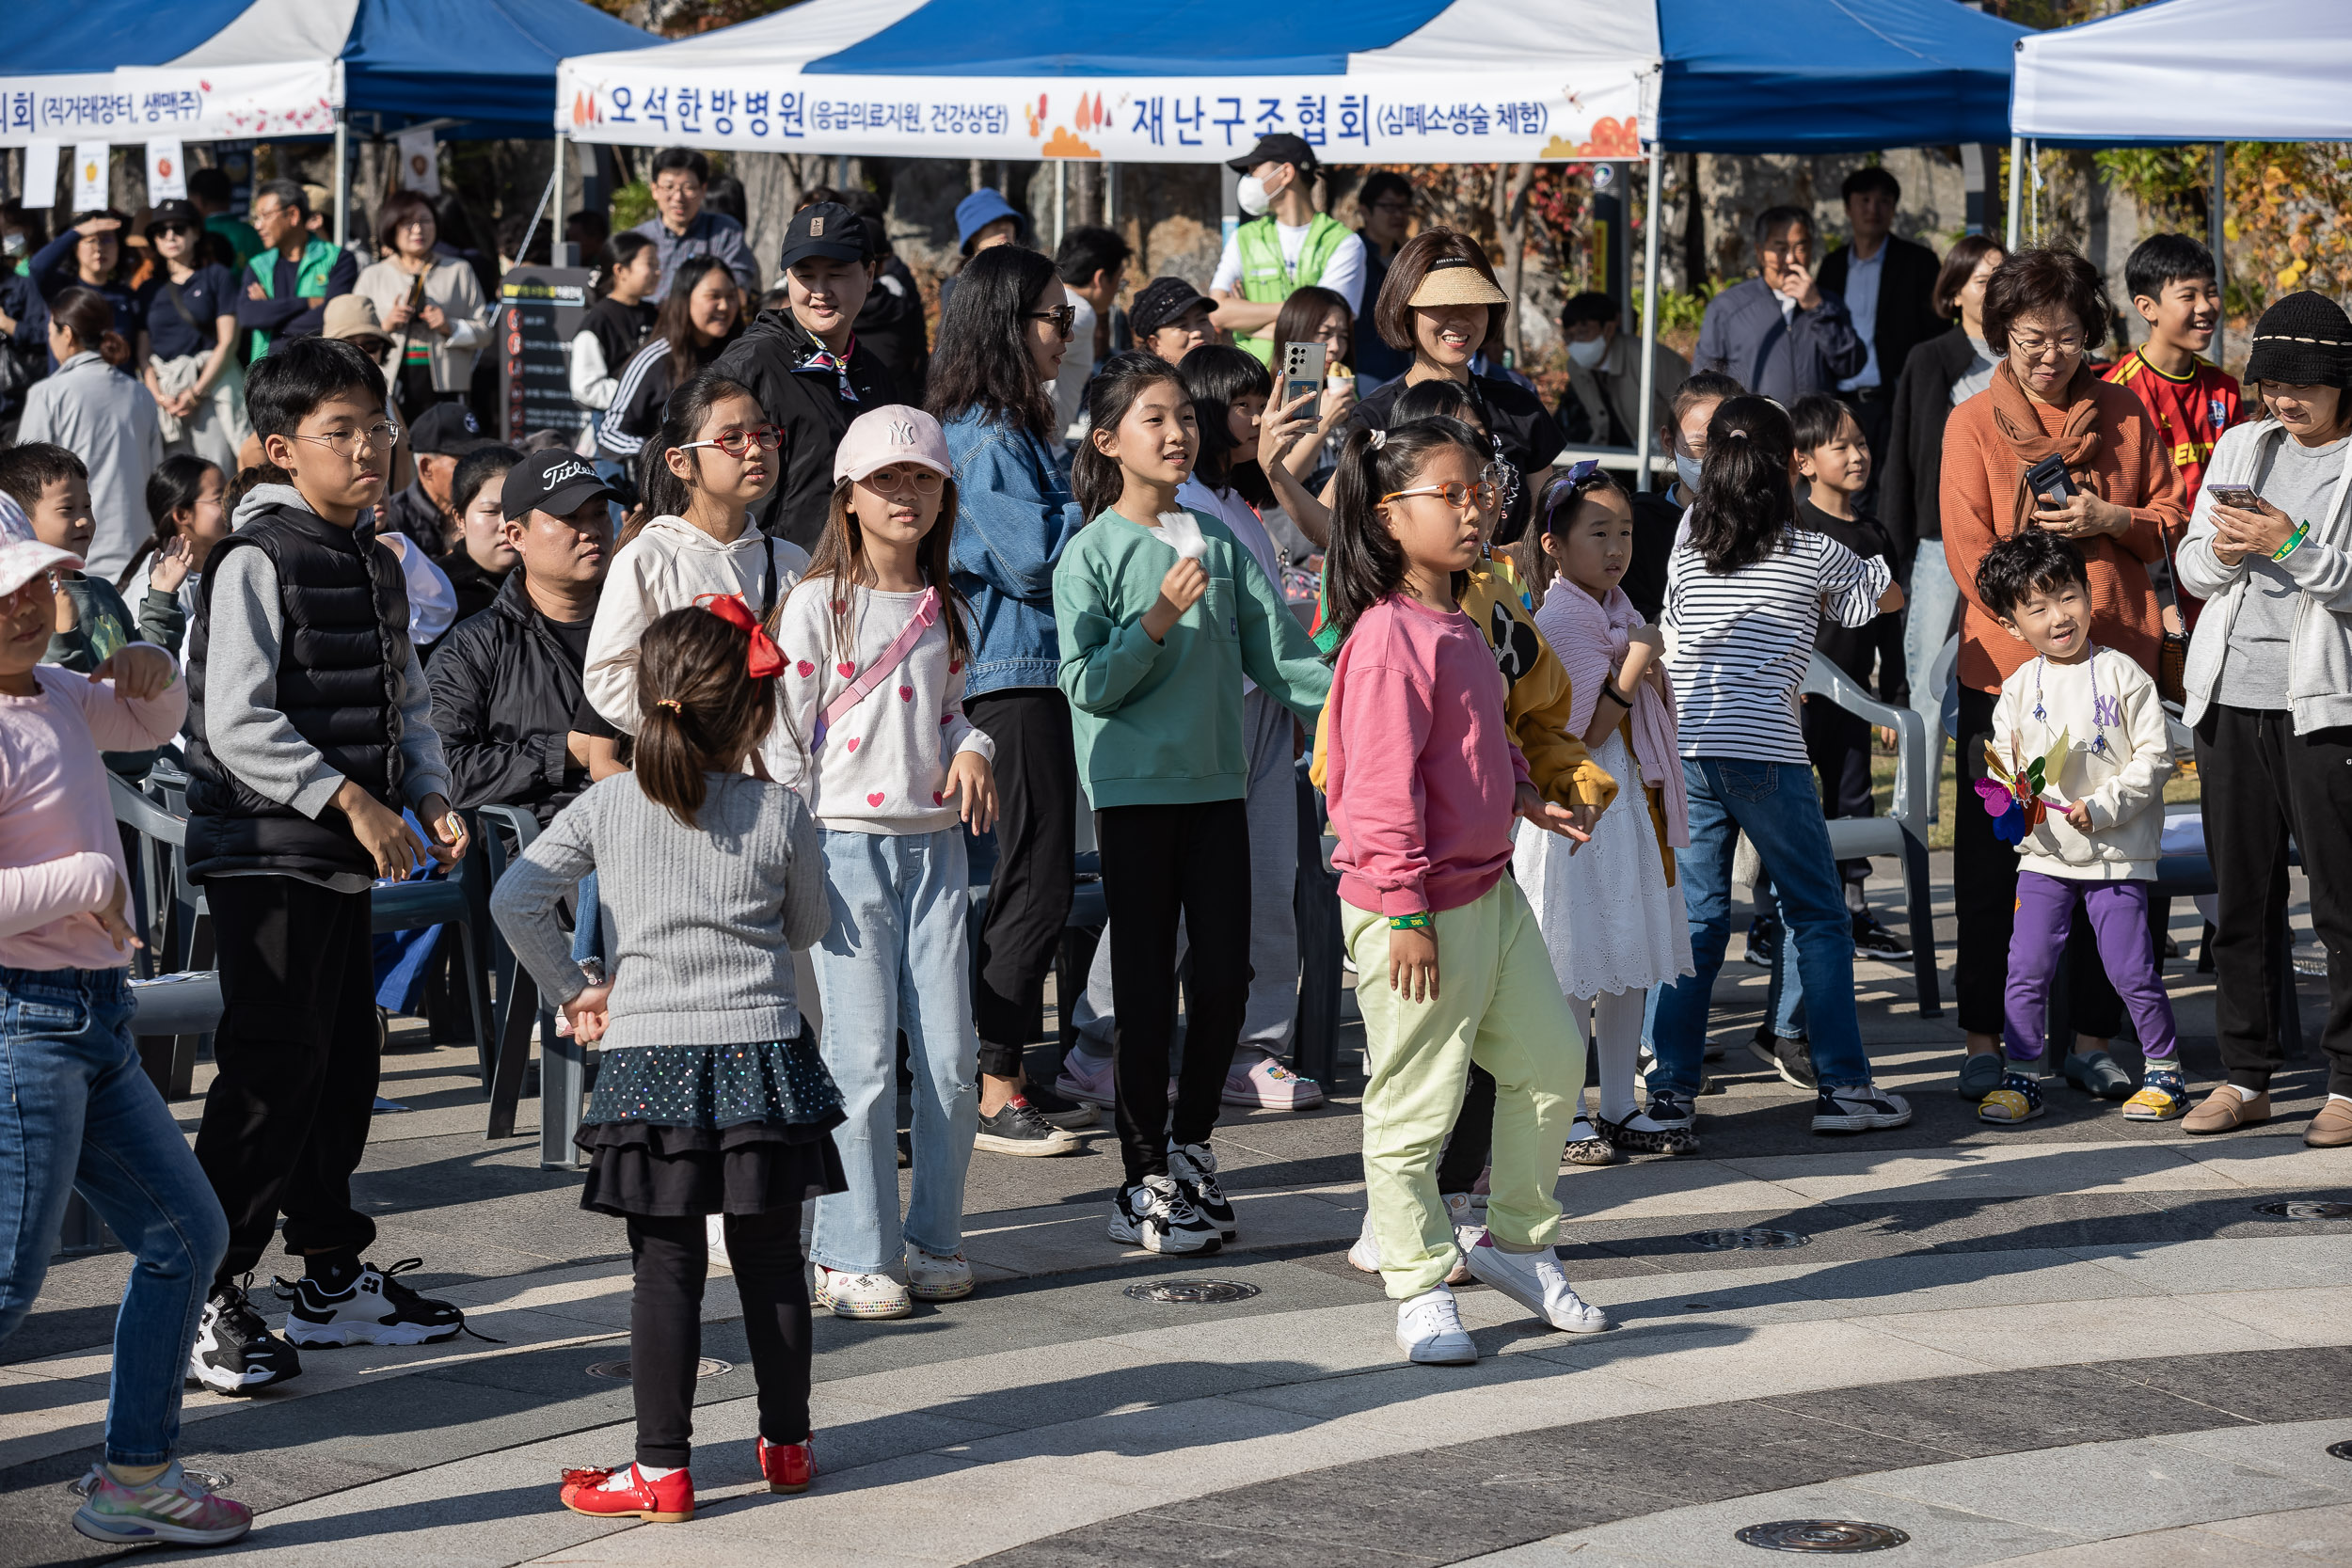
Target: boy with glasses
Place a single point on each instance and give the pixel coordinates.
(310, 728)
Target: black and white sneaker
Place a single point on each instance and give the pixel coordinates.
(1862, 1108)
(234, 1351)
(1017, 1129)
(1671, 1114)
(1057, 1109)
(1155, 1215)
(1763, 941)
(372, 1308)
(1193, 1168)
(1874, 940)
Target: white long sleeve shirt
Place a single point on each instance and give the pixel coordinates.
(2104, 695)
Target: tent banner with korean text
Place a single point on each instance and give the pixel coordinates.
(143, 103)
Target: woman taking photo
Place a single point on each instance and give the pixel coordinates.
(431, 304)
(90, 256)
(1001, 342)
(1442, 303)
(2044, 310)
(188, 342)
(1940, 375)
(702, 314)
(91, 409)
(1317, 315)
(2270, 686)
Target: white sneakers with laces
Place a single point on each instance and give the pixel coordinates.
(1429, 1330)
(1534, 1282)
(1155, 1215)
(862, 1295)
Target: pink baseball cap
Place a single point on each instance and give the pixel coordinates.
(883, 436)
(22, 556)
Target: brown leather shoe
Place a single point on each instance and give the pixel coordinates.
(2225, 1112)
(2332, 1128)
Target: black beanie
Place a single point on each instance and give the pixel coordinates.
(2304, 340)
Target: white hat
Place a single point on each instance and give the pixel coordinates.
(22, 556)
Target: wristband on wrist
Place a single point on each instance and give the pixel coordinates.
(1420, 922)
(2293, 539)
(1609, 689)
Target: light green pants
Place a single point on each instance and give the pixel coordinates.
(1498, 1005)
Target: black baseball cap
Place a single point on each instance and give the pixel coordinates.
(1280, 148)
(181, 214)
(447, 430)
(557, 483)
(825, 229)
(1160, 302)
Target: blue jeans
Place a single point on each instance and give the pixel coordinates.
(81, 1114)
(894, 957)
(587, 940)
(1935, 599)
(1776, 804)
(1783, 996)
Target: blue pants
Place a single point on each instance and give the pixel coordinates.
(895, 959)
(1776, 804)
(81, 1114)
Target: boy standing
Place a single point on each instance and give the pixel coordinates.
(2089, 834)
(311, 727)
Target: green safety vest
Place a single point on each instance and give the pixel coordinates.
(318, 260)
(1264, 278)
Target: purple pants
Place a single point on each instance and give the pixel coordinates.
(2118, 918)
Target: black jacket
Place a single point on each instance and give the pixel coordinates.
(504, 689)
(1911, 486)
(1878, 640)
(891, 327)
(1656, 520)
(807, 406)
(1906, 314)
(412, 511)
(476, 589)
(343, 644)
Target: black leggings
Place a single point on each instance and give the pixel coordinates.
(665, 1337)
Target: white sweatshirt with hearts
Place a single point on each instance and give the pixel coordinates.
(882, 766)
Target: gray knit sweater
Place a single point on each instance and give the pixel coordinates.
(706, 917)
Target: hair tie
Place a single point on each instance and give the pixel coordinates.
(670, 703)
(1379, 439)
(764, 658)
(1735, 436)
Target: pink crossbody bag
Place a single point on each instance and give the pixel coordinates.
(926, 616)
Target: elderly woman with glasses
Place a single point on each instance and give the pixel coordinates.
(430, 303)
(2103, 477)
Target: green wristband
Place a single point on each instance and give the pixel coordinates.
(2293, 539)
(1420, 922)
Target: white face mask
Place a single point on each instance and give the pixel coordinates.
(1253, 196)
(1686, 473)
(1588, 351)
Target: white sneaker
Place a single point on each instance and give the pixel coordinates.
(1429, 1330)
(931, 1276)
(1534, 1282)
(1193, 1169)
(1155, 1215)
(1468, 1213)
(1864, 1108)
(715, 1234)
(1365, 1254)
(862, 1295)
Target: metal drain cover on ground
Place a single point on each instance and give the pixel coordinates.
(618, 1370)
(2304, 1209)
(1822, 1535)
(1753, 1240)
(1192, 1292)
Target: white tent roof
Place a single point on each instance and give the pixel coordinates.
(2191, 70)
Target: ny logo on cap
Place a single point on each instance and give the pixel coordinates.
(471, 427)
(902, 432)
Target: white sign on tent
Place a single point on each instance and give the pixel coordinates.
(419, 161)
(166, 171)
(40, 173)
(139, 103)
(89, 175)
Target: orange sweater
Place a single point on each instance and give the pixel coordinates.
(1980, 477)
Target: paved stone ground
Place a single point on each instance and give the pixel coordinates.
(2074, 1343)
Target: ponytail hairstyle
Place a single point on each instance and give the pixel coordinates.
(690, 403)
(1095, 476)
(1745, 509)
(699, 706)
(840, 558)
(1216, 377)
(177, 484)
(84, 313)
(1556, 513)
(1366, 565)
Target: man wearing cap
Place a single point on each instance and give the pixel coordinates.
(447, 432)
(287, 286)
(506, 683)
(1286, 244)
(803, 365)
(682, 228)
(1171, 318)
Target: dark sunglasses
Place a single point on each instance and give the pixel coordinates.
(1064, 318)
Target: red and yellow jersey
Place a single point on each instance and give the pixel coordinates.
(2191, 411)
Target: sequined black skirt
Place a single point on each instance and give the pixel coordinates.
(678, 1130)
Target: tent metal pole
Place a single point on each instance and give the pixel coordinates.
(555, 226)
(1110, 196)
(1061, 199)
(343, 177)
(2216, 234)
(2016, 192)
(1649, 316)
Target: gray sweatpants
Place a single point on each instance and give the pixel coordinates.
(1272, 806)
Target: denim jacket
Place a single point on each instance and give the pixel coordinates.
(1013, 516)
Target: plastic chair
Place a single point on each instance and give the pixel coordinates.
(563, 1059)
(450, 900)
(1903, 830)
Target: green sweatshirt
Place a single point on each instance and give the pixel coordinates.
(101, 629)
(1159, 723)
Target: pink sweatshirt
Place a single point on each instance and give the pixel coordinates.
(59, 853)
(1421, 765)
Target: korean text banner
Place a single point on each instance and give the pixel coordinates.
(1485, 117)
(139, 103)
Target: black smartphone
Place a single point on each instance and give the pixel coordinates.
(2049, 481)
(2237, 497)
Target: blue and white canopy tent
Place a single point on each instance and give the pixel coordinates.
(1365, 81)
(137, 71)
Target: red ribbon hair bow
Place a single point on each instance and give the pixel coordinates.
(766, 658)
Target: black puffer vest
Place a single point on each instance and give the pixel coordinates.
(345, 624)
